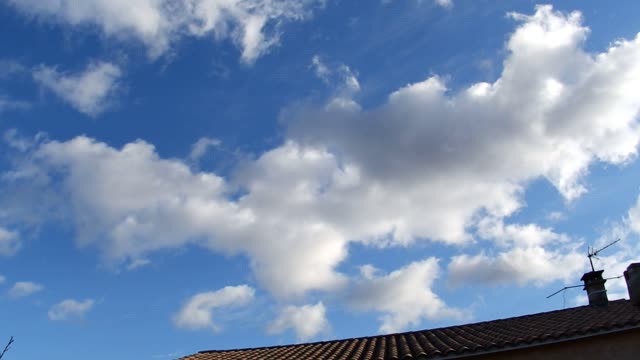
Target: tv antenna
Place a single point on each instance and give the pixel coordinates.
(592, 253)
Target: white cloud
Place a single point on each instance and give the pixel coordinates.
(339, 76)
(404, 296)
(321, 70)
(307, 321)
(253, 25)
(556, 216)
(9, 242)
(197, 312)
(519, 235)
(13, 139)
(518, 265)
(143, 19)
(7, 104)
(91, 91)
(3, 279)
(138, 263)
(200, 147)
(615, 259)
(445, 3)
(24, 288)
(633, 217)
(428, 164)
(528, 253)
(70, 309)
(436, 158)
(10, 68)
(130, 202)
(532, 254)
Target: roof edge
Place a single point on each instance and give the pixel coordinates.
(539, 343)
(399, 333)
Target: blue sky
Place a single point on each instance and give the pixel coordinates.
(184, 175)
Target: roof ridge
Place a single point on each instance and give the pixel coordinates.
(413, 332)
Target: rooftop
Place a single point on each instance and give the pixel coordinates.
(477, 338)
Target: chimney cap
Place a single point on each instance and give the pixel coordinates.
(633, 266)
(632, 276)
(593, 275)
(594, 285)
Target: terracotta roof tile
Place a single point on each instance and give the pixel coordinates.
(455, 340)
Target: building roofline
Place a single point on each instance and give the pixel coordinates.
(544, 339)
(535, 343)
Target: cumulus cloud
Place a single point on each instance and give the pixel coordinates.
(24, 288)
(553, 112)
(516, 234)
(130, 202)
(404, 296)
(90, 92)
(307, 321)
(518, 265)
(9, 242)
(70, 309)
(428, 164)
(253, 25)
(525, 254)
(197, 312)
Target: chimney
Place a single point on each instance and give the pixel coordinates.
(632, 275)
(594, 285)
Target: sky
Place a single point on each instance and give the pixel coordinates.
(186, 175)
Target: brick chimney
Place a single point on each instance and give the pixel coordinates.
(594, 285)
(632, 275)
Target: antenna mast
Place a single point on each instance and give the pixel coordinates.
(594, 253)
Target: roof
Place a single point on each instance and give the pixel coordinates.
(477, 338)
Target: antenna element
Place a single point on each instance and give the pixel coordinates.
(594, 253)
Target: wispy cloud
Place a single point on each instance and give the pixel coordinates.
(70, 309)
(200, 147)
(197, 312)
(91, 91)
(445, 3)
(9, 242)
(339, 76)
(10, 68)
(138, 263)
(7, 104)
(24, 288)
(253, 25)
